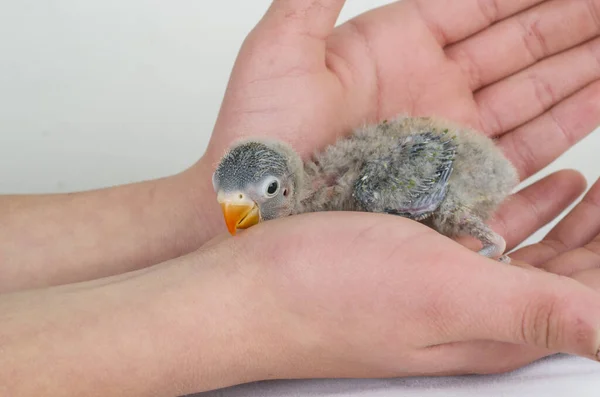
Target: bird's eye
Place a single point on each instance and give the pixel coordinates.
(272, 188)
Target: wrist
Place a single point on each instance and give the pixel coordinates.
(213, 311)
(233, 329)
(89, 235)
(195, 185)
(249, 338)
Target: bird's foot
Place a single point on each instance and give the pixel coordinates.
(494, 246)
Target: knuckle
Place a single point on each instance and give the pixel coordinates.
(490, 9)
(562, 129)
(555, 323)
(534, 39)
(544, 91)
(524, 152)
(490, 118)
(540, 323)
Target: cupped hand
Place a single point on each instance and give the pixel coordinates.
(352, 295)
(524, 72)
(365, 295)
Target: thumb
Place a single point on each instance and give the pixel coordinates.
(302, 19)
(518, 305)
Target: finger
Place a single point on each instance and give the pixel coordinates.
(558, 129)
(576, 229)
(520, 41)
(578, 260)
(527, 94)
(454, 20)
(589, 277)
(313, 20)
(582, 224)
(520, 306)
(489, 357)
(534, 206)
(524, 265)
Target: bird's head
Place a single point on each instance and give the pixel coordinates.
(257, 181)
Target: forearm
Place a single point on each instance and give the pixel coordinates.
(57, 239)
(170, 329)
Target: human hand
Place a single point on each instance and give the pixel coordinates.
(298, 79)
(498, 68)
(340, 294)
(570, 249)
(364, 295)
(520, 79)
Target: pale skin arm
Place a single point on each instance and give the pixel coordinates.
(382, 301)
(154, 332)
(526, 80)
(58, 239)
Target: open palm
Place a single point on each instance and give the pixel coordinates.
(522, 71)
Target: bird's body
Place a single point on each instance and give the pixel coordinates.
(449, 177)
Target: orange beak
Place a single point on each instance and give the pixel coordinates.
(239, 213)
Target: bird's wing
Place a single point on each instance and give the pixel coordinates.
(410, 179)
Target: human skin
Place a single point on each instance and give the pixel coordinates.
(321, 295)
(314, 296)
(527, 80)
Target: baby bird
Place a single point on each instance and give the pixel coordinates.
(445, 176)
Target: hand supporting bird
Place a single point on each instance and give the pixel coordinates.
(370, 295)
(505, 68)
(524, 72)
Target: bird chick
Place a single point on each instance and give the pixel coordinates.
(445, 176)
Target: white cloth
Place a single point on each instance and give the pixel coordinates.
(555, 376)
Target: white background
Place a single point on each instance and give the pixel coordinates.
(101, 92)
(95, 93)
